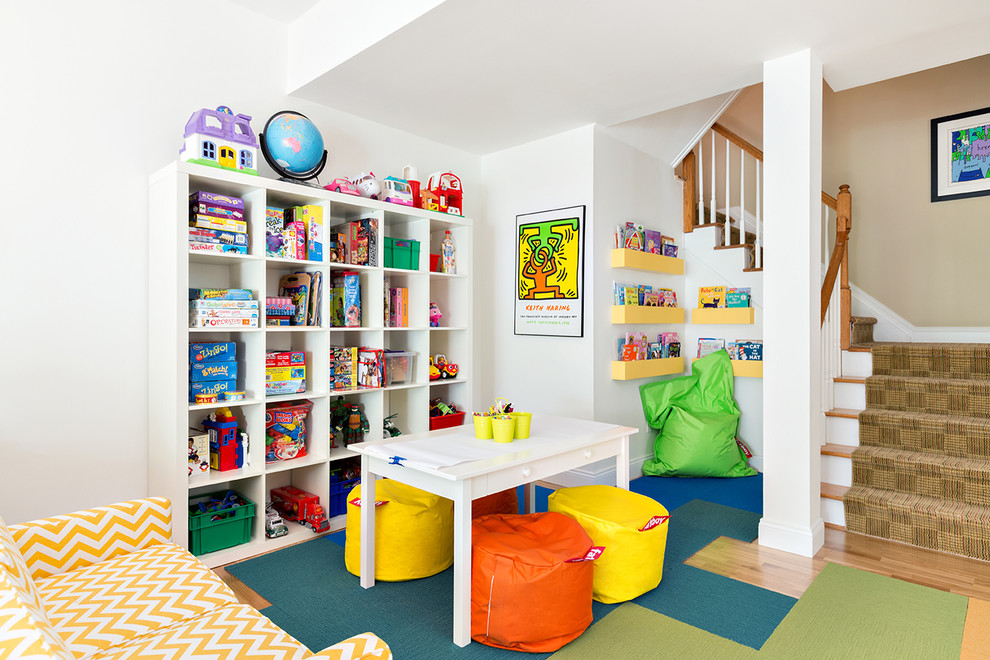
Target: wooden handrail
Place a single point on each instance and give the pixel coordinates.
(738, 141)
(840, 259)
(829, 201)
(689, 175)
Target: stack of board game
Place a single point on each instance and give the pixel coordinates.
(216, 223)
(222, 308)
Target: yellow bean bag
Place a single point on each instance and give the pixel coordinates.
(631, 527)
(414, 532)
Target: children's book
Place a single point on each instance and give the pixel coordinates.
(746, 349)
(297, 287)
(711, 296)
(738, 297)
(653, 241)
(709, 345)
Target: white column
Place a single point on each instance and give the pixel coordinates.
(792, 148)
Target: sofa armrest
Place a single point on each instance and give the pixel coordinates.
(52, 546)
(366, 646)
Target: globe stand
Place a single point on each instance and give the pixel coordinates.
(285, 174)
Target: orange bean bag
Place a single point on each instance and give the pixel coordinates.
(631, 527)
(527, 591)
(502, 502)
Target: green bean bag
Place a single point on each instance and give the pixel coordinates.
(697, 418)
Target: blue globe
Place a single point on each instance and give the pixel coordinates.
(293, 146)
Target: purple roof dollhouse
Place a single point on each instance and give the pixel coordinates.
(219, 138)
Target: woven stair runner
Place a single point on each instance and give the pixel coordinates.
(921, 474)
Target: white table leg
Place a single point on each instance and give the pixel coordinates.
(529, 497)
(622, 465)
(367, 523)
(462, 565)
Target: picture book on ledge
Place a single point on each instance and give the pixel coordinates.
(632, 236)
(711, 296)
(642, 294)
(709, 345)
(636, 346)
(746, 349)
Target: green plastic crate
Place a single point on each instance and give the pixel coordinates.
(401, 253)
(230, 528)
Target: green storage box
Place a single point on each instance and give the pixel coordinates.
(210, 531)
(401, 253)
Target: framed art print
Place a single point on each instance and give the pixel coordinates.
(961, 155)
(550, 273)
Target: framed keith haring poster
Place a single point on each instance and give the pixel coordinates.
(550, 273)
(961, 155)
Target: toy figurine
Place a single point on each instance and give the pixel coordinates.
(435, 315)
(389, 428)
(357, 425)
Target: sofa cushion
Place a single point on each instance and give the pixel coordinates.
(25, 630)
(55, 545)
(235, 631)
(107, 604)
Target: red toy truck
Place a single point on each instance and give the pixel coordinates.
(302, 507)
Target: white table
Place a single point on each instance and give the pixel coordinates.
(555, 445)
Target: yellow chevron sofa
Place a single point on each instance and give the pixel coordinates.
(108, 583)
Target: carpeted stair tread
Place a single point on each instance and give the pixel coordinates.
(962, 396)
(967, 361)
(951, 478)
(930, 432)
(927, 522)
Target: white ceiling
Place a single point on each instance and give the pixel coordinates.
(484, 75)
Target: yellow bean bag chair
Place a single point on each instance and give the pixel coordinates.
(631, 527)
(414, 532)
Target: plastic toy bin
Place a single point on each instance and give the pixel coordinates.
(446, 421)
(339, 489)
(210, 531)
(401, 253)
(399, 366)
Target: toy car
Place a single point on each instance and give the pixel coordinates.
(274, 526)
(396, 191)
(445, 369)
(343, 186)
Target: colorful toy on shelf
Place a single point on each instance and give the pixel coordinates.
(348, 423)
(274, 527)
(435, 315)
(343, 186)
(300, 506)
(226, 448)
(411, 175)
(389, 429)
(446, 369)
(448, 192)
(448, 262)
(219, 138)
(434, 370)
(367, 185)
(396, 191)
(293, 146)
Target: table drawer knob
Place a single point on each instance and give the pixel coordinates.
(587, 454)
(527, 471)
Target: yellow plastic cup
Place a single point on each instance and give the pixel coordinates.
(503, 429)
(483, 427)
(523, 421)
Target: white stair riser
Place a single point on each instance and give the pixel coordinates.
(837, 470)
(832, 512)
(842, 431)
(857, 364)
(850, 395)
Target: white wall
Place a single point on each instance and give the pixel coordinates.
(551, 375)
(96, 99)
(630, 185)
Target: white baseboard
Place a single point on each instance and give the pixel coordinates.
(802, 541)
(600, 473)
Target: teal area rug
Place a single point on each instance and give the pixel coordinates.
(317, 601)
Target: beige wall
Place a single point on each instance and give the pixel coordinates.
(923, 260)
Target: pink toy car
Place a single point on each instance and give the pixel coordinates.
(343, 186)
